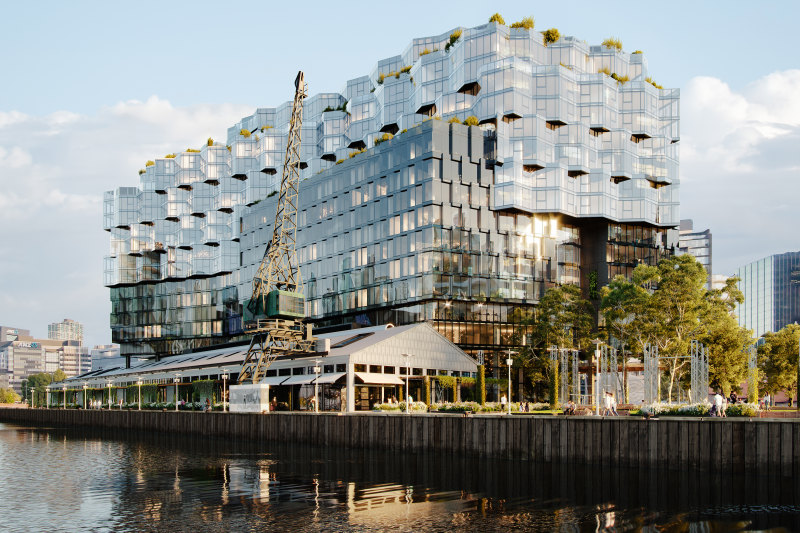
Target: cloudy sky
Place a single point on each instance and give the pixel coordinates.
(90, 90)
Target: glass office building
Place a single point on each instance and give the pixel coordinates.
(771, 288)
(406, 216)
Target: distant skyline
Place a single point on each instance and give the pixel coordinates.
(92, 90)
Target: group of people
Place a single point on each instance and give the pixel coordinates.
(609, 406)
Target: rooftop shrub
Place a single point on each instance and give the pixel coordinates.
(637, 52)
(265, 128)
(613, 42)
(454, 37)
(526, 23)
(427, 51)
(210, 142)
(169, 156)
(405, 69)
(192, 151)
(550, 36)
(604, 70)
(353, 154)
(142, 171)
(381, 77)
(620, 79)
(652, 82)
(383, 138)
(340, 161)
(471, 120)
(497, 17)
(150, 163)
(244, 133)
(454, 120)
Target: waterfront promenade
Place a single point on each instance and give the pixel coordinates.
(740, 445)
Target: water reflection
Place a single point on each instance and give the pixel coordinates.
(66, 480)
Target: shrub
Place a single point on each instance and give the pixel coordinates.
(383, 138)
(454, 37)
(353, 154)
(244, 133)
(228, 146)
(265, 128)
(381, 77)
(471, 120)
(613, 42)
(637, 52)
(416, 407)
(620, 79)
(742, 409)
(604, 70)
(405, 69)
(142, 171)
(7, 395)
(150, 163)
(427, 51)
(497, 17)
(192, 151)
(169, 156)
(454, 120)
(329, 108)
(340, 161)
(550, 36)
(652, 82)
(210, 142)
(526, 23)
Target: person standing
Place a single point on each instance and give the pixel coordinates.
(503, 401)
(767, 401)
(718, 404)
(613, 404)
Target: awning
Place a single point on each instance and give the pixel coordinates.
(379, 379)
(299, 380)
(273, 380)
(329, 378)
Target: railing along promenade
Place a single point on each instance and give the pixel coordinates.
(734, 445)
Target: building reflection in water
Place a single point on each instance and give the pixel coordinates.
(128, 482)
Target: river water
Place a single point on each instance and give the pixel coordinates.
(78, 480)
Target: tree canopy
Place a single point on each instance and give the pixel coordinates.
(778, 359)
(7, 395)
(668, 306)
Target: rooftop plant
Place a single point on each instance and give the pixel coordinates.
(244, 133)
(381, 77)
(169, 156)
(454, 120)
(427, 51)
(383, 138)
(228, 146)
(210, 142)
(273, 193)
(497, 17)
(613, 42)
(604, 70)
(265, 128)
(405, 69)
(192, 151)
(471, 120)
(454, 37)
(526, 23)
(652, 82)
(142, 171)
(353, 154)
(637, 51)
(550, 36)
(339, 162)
(620, 79)
(150, 163)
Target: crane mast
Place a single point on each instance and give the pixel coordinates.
(277, 303)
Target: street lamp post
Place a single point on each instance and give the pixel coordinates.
(224, 389)
(64, 388)
(85, 386)
(139, 382)
(109, 395)
(30, 397)
(597, 343)
(177, 380)
(509, 362)
(408, 392)
(316, 395)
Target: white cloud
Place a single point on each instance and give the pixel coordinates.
(53, 172)
(740, 165)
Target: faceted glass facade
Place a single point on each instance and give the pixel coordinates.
(570, 172)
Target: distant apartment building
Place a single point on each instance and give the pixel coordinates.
(771, 288)
(22, 355)
(66, 330)
(697, 244)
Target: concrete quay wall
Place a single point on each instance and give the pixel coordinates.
(719, 445)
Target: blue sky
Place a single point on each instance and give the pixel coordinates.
(91, 90)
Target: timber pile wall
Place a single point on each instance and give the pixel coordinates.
(720, 445)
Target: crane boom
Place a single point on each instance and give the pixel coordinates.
(277, 303)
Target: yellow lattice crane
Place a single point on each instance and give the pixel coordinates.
(277, 304)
